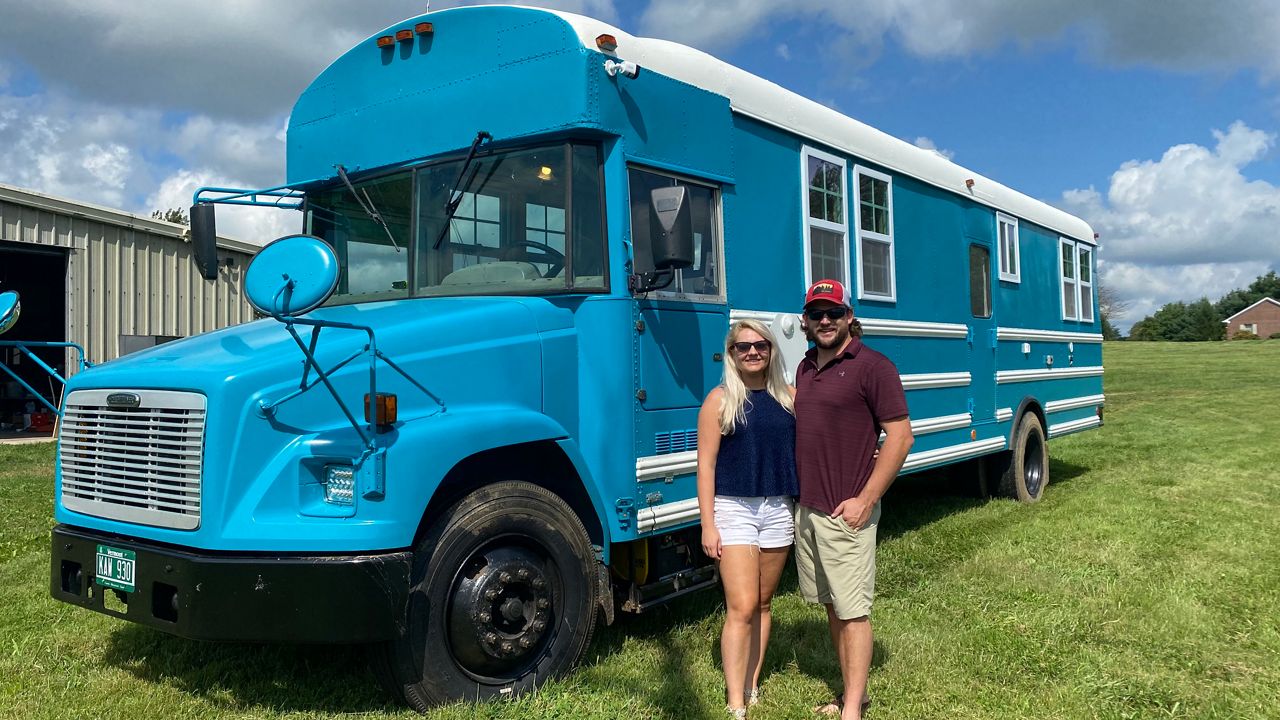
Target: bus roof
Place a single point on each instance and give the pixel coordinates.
(767, 102)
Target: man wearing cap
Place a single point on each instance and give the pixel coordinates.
(846, 393)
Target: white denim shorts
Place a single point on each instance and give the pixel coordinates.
(766, 522)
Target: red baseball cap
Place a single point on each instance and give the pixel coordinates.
(829, 290)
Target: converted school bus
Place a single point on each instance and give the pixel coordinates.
(549, 474)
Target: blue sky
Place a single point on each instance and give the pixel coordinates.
(1156, 122)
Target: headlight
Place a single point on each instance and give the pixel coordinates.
(339, 484)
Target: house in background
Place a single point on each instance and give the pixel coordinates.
(1261, 318)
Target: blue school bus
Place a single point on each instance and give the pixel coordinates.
(464, 431)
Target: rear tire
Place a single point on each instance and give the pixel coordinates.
(504, 597)
(1027, 472)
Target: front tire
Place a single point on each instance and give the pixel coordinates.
(503, 598)
(1027, 473)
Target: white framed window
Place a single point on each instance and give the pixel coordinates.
(1075, 271)
(826, 225)
(1249, 327)
(1067, 276)
(1007, 247)
(1084, 268)
(876, 264)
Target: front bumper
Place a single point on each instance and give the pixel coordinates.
(246, 598)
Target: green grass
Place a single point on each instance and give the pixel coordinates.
(1144, 585)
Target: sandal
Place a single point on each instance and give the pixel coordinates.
(736, 713)
(835, 706)
(753, 696)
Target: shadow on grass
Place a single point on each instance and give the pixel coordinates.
(284, 678)
(336, 679)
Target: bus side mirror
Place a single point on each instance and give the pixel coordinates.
(204, 240)
(671, 224)
(10, 308)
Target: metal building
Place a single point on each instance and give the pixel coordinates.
(109, 280)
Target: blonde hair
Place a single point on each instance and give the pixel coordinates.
(733, 403)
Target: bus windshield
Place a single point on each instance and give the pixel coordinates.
(529, 221)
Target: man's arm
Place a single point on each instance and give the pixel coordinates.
(897, 443)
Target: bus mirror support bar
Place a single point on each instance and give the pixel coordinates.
(204, 230)
(372, 478)
(25, 349)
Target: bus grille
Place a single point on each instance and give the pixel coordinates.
(135, 464)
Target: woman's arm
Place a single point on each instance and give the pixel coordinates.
(708, 449)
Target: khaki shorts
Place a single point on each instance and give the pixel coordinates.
(837, 564)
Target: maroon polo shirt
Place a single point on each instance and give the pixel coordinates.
(840, 408)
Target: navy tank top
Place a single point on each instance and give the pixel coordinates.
(759, 458)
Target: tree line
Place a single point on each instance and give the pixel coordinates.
(1202, 320)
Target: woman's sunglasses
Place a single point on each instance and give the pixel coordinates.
(832, 313)
(760, 346)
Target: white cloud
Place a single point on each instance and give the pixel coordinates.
(927, 144)
(254, 225)
(1179, 35)
(246, 60)
(1190, 224)
(783, 51)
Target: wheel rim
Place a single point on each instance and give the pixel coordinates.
(1033, 463)
(501, 610)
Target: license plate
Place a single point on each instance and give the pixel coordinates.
(115, 568)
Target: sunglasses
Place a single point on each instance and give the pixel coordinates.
(832, 313)
(760, 346)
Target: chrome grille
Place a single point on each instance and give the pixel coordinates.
(135, 464)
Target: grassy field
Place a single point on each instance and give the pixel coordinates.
(1145, 585)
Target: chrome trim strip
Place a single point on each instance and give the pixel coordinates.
(1013, 376)
(937, 424)
(1007, 333)
(1004, 414)
(925, 381)
(655, 467)
(1073, 403)
(1074, 426)
(953, 452)
(658, 517)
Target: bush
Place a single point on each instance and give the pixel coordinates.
(1274, 336)
(1244, 335)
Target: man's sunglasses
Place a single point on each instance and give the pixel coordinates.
(761, 346)
(831, 313)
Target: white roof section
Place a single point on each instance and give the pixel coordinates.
(773, 104)
(110, 216)
(1273, 301)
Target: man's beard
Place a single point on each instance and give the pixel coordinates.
(836, 340)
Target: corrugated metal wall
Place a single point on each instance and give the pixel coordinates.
(126, 275)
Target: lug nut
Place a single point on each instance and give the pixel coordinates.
(542, 603)
(483, 617)
(523, 574)
(490, 637)
(491, 593)
(539, 583)
(524, 643)
(507, 647)
(539, 626)
(504, 577)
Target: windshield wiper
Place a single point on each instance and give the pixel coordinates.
(455, 195)
(366, 204)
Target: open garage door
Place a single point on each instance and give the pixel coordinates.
(39, 275)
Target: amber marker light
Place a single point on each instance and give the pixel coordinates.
(404, 35)
(386, 41)
(424, 28)
(383, 410)
(606, 42)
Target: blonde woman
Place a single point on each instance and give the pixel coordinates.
(746, 485)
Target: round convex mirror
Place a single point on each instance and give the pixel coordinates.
(10, 308)
(291, 276)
